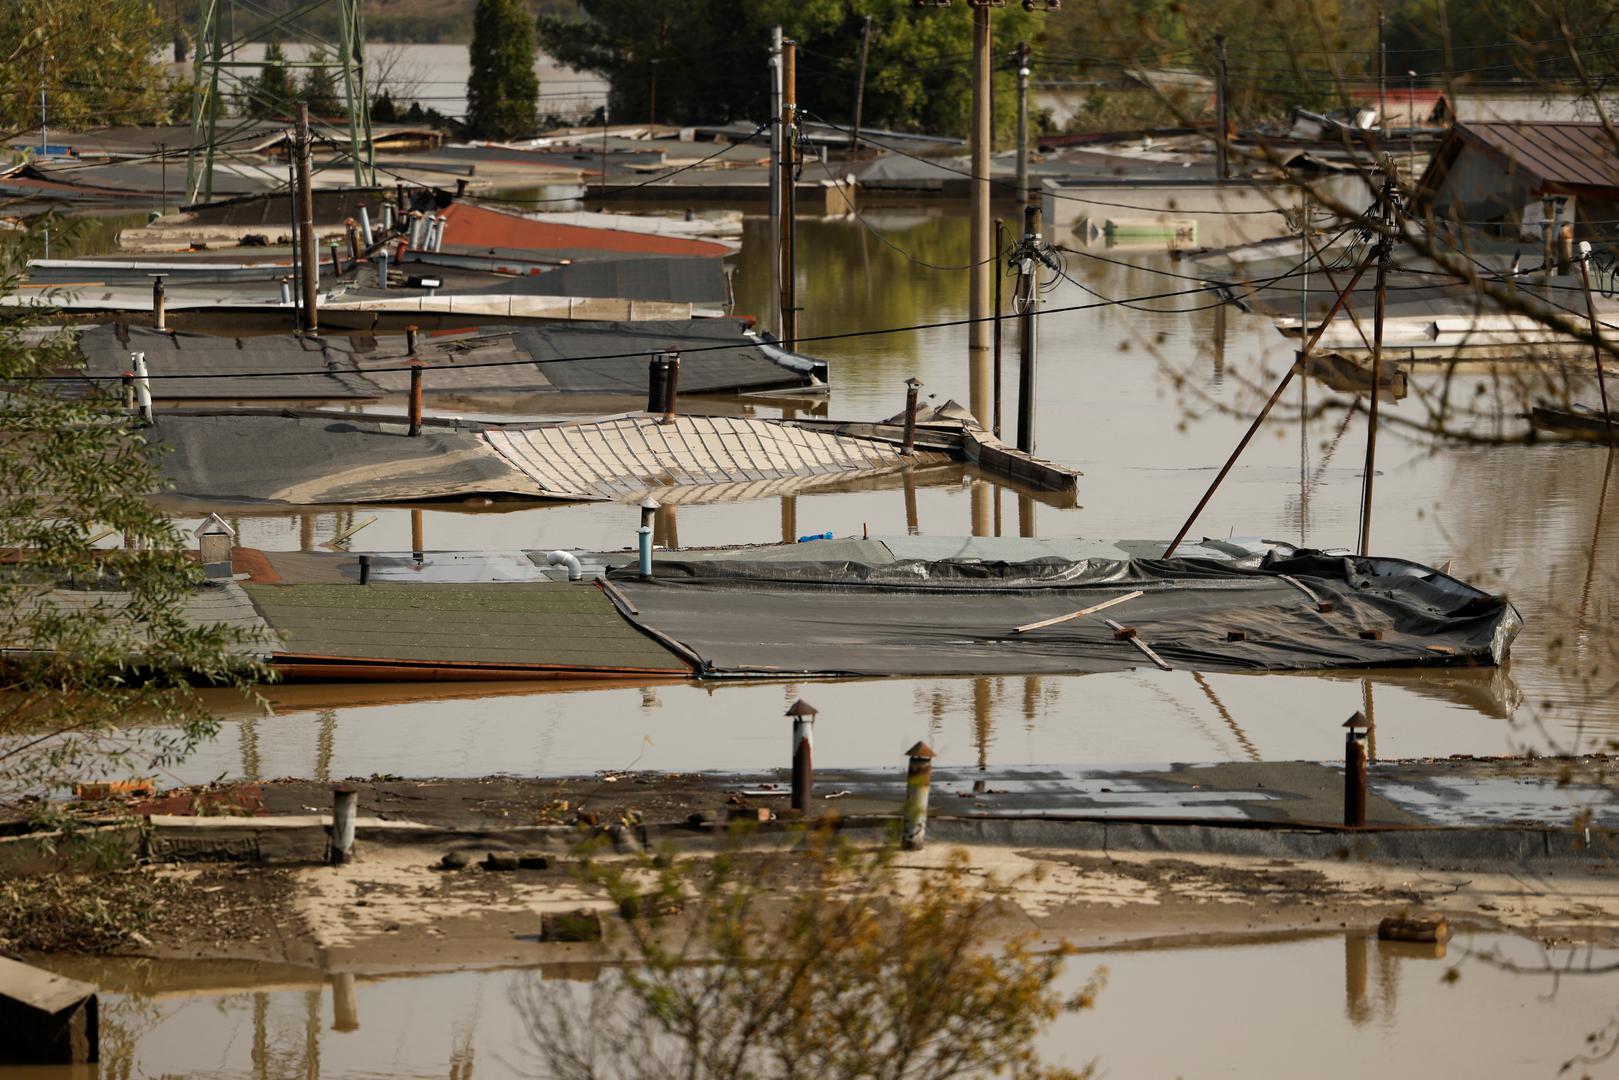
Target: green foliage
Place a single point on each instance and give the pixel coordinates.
(502, 89)
(1497, 40)
(319, 87)
(97, 60)
(272, 92)
(96, 638)
(713, 58)
(826, 962)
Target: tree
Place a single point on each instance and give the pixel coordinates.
(319, 88)
(827, 961)
(502, 89)
(97, 60)
(271, 93)
(713, 55)
(95, 637)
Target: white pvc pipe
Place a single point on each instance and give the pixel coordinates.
(568, 559)
(438, 235)
(143, 387)
(365, 227)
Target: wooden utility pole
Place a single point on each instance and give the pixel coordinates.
(982, 252)
(1028, 295)
(1222, 106)
(789, 194)
(1382, 77)
(309, 261)
(776, 178)
(1385, 249)
(860, 85)
(1023, 193)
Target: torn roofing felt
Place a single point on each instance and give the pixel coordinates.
(912, 617)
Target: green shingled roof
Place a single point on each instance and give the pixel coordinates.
(507, 623)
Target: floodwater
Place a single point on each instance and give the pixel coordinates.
(1329, 1006)
(1147, 405)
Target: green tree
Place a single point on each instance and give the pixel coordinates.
(318, 88)
(502, 89)
(98, 591)
(713, 55)
(97, 60)
(271, 93)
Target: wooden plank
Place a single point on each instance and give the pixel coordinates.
(1076, 614)
(1129, 634)
(1320, 604)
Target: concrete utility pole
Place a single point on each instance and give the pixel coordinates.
(308, 259)
(789, 194)
(979, 331)
(1023, 121)
(1222, 105)
(1382, 77)
(774, 314)
(860, 84)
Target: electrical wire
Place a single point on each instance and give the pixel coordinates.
(843, 336)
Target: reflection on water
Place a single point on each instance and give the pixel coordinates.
(1147, 405)
(678, 726)
(1340, 1005)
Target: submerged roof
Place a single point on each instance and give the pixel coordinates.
(913, 617)
(576, 357)
(506, 624)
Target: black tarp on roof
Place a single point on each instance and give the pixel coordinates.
(706, 364)
(490, 360)
(957, 617)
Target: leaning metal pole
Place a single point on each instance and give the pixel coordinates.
(1293, 369)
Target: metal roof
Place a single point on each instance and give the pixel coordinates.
(1566, 154)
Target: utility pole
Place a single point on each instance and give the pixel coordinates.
(789, 189)
(1027, 299)
(1023, 121)
(860, 84)
(1385, 250)
(652, 106)
(44, 143)
(1382, 76)
(1222, 106)
(163, 157)
(308, 259)
(775, 182)
(978, 331)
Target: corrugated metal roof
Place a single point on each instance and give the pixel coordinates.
(624, 457)
(1574, 155)
(507, 624)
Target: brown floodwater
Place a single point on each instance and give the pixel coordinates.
(1147, 404)
(1338, 1005)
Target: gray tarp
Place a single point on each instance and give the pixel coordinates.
(956, 617)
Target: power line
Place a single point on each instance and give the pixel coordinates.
(844, 336)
